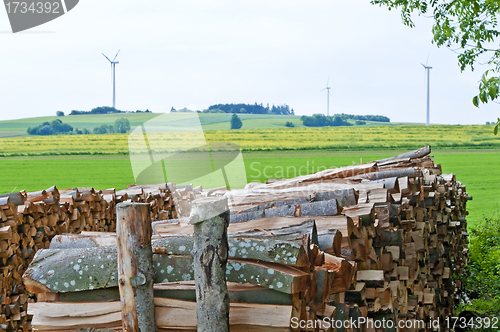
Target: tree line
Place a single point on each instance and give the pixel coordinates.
(250, 109)
(57, 127)
(377, 118)
(321, 120)
(100, 110)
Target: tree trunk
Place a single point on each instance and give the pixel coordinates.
(135, 267)
(210, 217)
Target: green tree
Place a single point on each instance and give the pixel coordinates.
(54, 128)
(469, 28)
(122, 125)
(236, 122)
(103, 129)
(60, 113)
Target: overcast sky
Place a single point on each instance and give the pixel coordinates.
(194, 53)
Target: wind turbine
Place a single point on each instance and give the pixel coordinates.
(327, 97)
(113, 63)
(428, 73)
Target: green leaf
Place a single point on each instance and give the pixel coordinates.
(475, 101)
(495, 131)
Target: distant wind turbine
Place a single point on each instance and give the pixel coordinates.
(113, 63)
(327, 97)
(428, 73)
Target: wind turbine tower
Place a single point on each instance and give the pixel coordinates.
(327, 97)
(428, 73)
(113, 63)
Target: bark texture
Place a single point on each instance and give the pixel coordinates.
(210, 252)
(135, 267)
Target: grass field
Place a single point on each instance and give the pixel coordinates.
(209, 121)
(36, 173)
(18, 127)
(270, 150)
(14, 128)
(402, 137)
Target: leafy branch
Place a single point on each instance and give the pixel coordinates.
(470, 26)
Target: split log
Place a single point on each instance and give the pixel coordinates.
(170, 314)
(365, 212)
(330, 241)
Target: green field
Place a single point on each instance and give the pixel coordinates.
(36, 173)
(209, 121)
(101, 161)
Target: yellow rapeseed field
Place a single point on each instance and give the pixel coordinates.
(331, 138)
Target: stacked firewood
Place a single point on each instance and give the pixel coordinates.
(29, 221)
(273, 279)
(404, 230)
(380, 240)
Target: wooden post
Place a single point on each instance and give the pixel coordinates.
(210, 217)
(135, 267)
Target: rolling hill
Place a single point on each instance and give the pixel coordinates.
(209, 121)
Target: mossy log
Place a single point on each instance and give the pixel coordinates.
(260, 246)
(73, 270)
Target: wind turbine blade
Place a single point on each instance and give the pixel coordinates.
(116, 55)
(322, 90)
(106, 57)
(426, 62)
(423, 65)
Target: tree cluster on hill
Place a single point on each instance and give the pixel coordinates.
(377, 118)
(121, 126)
(250, 109)
(55, 127)
(101, 110)
(321, 120)
(182, 110)
(97, 110)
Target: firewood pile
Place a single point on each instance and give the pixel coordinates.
(403, 229)
(29, 221)
(380, 240)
